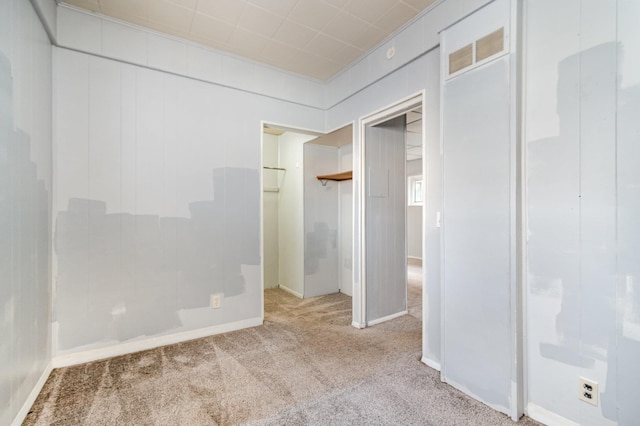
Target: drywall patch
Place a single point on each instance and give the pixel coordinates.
(122, 276)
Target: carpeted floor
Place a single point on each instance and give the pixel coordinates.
(305, 365)
(414, 289)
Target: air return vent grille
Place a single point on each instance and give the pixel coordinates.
(489, 45)
(481, 49)
(461, 59)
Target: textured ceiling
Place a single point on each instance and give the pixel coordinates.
(316, 38)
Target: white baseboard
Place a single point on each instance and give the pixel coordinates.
(288, 290)
(547, 417)
(431, 363)
(387, 318)
(358, 324)
(22, 414)
(464, 389)
(150, 343)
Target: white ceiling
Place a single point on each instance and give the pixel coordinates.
(316, 38)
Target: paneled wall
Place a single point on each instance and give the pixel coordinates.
(321, 221)
(25, 206)
(582, 103)
(270, 186)
(345, 233)
(291, 232)
(97, 35)
(157, 186)
(106, 37)
(414, 216)
(431, 227)
(479, 151)
(157, 202)
(385, 219)
(383, 81)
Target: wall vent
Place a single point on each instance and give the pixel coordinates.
(486, 47)
(461, 59)
(490, 44)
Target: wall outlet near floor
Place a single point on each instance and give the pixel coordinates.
(215, 300)
(588, 391)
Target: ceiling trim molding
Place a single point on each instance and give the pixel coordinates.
(289, 87)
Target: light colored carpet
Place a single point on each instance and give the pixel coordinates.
(414, 289)
(305, 365)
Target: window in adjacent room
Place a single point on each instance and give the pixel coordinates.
(415, 190)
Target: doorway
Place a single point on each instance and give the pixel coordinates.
(282, 208)
(306, 221)
(383, 220)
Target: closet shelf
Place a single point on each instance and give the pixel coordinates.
(336, 176)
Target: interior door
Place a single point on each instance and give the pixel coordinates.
(385, 220)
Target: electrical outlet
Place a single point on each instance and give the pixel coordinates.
(216, 300)
(588, 391)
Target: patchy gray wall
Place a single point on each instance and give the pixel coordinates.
(158, 203)
(25, 204)
(321, 221)
(583, 191)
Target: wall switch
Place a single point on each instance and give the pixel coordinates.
(588, 391)
(216, 300)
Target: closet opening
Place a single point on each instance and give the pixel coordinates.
(307, 210)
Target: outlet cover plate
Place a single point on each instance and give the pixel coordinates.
(215, 300)
(588, 391)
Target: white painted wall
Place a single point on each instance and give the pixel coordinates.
(368, 85)
(345, 233)
(431, 251)
(414, 216)
(157, 205)
(409, 43)
(420, 75)
(582, 103)
(479, 254)
(25, 208)
(291, 212)
(89, 33)
(47, 10)
(114, 39)
(321, 221)
(270, 184)
(374, 82)
(85, 32)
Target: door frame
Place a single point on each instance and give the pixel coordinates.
(379, 116)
